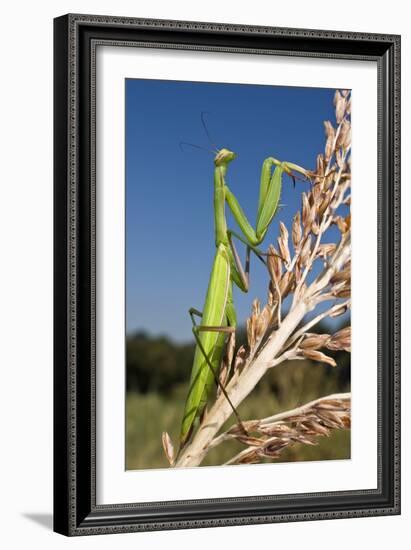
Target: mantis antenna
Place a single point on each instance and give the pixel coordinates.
(215, 149)
(207, 132)
(196, 146)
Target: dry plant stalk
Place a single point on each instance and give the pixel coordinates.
(270, 436)
(274, 336)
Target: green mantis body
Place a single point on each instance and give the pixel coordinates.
(219, 316)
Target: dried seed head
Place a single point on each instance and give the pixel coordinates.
(326, 197)
(339, 159)
(296, 230)
(274, 444)
(339, 311)
(341, 276)
(340, 222)
(297, 272)
(273, 292)
(316, 193)
(331, 405)
(168, 447)
(318, 356)
(342, 292)
(311, 218)
(336, 96)
(249, 440)
(315, 228)
(274, 264)
(276, 430)
(337, 287)
(347, 140)
(344, 332)
(331, 419)
(305, 426)
(307, 440)
(255, 324)
(250, 426)
(251, 331)
(226, 363)
(314, 341)
(256, 307)
(240, 358)
(269, 453)
(344, 136)
(318, 428)
(325, 250)
(340, 103)
(249, 456)
(329, 129)
(341, 340)
(266, 314)
(329, 179)
(339, 194)
(329, 145)
(287, 283)
(271, 300)
(262, 322)
(306, 251)
(320, 170)
(305, 211)
(283, 243)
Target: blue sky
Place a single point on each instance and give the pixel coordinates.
(169, 192)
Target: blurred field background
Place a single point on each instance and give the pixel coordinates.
(157, 380)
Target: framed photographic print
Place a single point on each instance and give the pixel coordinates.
(227, 280)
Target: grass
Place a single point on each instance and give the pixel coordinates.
(148, 415)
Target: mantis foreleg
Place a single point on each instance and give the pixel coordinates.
(269, 199)
(240, 275)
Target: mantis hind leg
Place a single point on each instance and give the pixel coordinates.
(204, 328)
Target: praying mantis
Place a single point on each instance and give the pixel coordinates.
(218, 317)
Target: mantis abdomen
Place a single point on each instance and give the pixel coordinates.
(213, 315)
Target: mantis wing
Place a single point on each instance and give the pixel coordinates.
(214, 315)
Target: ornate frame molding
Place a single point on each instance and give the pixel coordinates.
(76, 40)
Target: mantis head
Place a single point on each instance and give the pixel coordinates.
(223, 157)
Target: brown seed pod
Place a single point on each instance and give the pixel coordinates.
(340, 103)
(296, 232)
(168, 447)
(339, 311)
(329, 145)
(283, 243)
(314, 341)
(318, 356)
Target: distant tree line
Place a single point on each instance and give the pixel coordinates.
(157, 364)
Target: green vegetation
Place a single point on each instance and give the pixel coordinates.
(157, 375)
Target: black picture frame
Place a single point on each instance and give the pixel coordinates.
(75, 509)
